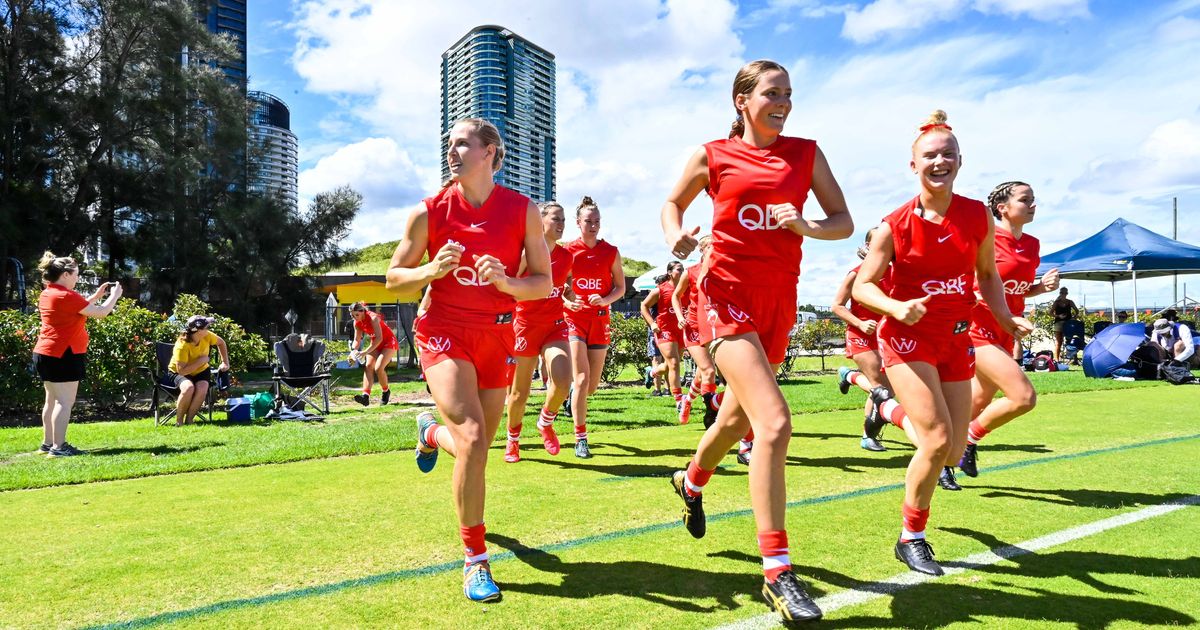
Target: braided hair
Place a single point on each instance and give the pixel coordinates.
(1001, 194)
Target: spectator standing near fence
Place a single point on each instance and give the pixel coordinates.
(1062, 309)
(60, 354)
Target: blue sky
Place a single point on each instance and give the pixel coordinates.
(1096, 104)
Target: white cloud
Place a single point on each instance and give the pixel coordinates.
(888, 16)
(1169, 158)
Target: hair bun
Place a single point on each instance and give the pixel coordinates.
(587, 201)
(938, 117)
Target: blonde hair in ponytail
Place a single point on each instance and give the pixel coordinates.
(744, 83)
(935, 122)
(488, 134)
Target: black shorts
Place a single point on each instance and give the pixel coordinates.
(65, 369)
(178, 379)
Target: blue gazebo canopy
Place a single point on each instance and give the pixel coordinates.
(1121, 251)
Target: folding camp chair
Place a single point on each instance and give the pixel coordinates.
(1098, 326)
(165, 391)
(1073, 336)
(300, 373)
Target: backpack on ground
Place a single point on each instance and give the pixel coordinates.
(1176, 372)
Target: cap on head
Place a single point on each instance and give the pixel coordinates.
(1162, 325)
(196, 322)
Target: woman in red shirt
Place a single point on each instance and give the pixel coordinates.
(704, 384)
(597, 280)
(378, 355)
(1017, 258)
(939, 245)
(665, 326)
(541, 330)
(759, 180)
(475, 233)
(60, 353)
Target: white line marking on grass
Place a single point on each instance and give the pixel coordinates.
(903, 581)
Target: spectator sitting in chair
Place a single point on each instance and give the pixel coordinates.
(189, 366)
(1062, 309)
(1122, 317)
(1178, 339)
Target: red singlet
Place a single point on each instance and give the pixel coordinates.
(1017, 261)
(936, 259)
(750, 285)
(364, 326)
(540, 322)
(667, 321)
(591, 274)
(469, 319)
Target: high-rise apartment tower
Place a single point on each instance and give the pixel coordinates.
(495, 74)
(274, 151)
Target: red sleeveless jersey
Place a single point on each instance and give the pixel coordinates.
(496, 228)
(748, 247)
(667, 318)
(365, 326)
(864, 313)
(1017, 261)
(688, 301)
(550, 309)
(591, 268)
(938, 259)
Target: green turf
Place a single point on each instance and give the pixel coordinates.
(374, 543)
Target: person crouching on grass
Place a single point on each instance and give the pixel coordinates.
(378, 355)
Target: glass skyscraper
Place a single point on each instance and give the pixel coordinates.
(228, 17)
(495, 74)
(274, 151)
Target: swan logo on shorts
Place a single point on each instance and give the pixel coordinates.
(467, 276)
(861, 343)
(520, 344)
(754, 217)
(953, 286)
(438, 344)
(1017, 287)
(693, 336)
(902, 345)
(737, 314)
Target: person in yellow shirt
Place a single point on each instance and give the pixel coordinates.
(189, 366)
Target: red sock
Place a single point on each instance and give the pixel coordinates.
(715, 401)
(914, 522)
(749, 435)
(694, 390)
(676, 392)
(860, 380)
(696, 478)
(976, 432)
(431, 435)
(367, 391)
(708, 388)
(774, 548)
(514, 433)
(384, 387)
(581, 431)
(893, 412)
(546, 418)
(473, 544)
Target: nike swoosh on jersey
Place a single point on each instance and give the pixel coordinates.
(477, 225)
(943, 239)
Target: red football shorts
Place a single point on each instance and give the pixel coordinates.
(668, 331)
(858, 341)
(489, 348)
(531, 337)
(986, 331)
(691, 334)
(768, 311)
(952, 354)
(589, 326)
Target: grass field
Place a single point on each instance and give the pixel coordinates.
(330, 524)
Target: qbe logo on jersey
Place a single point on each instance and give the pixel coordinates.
(467, 276)
(589, 284)
(753, 217)
(902, 345)
(438, 344)
(1017, 287)
(952, 286)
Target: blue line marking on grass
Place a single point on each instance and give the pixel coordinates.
(446, 567)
